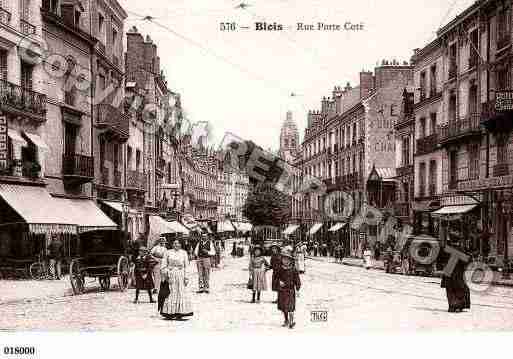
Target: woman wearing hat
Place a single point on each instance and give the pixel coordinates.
(289, 283)
(300, 257)
(158, 253)
(258, 266)
(144, 264)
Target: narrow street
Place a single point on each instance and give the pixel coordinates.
(355, 300)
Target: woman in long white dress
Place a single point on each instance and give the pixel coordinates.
(174, 269)
(300, 257)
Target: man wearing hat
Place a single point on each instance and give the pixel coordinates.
(56, 254)
(158, 252)
(204, 251)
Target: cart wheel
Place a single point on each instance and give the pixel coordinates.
(76, 278)
(37, 271)
(123, 273)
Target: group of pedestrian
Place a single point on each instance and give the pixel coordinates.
(285, 279)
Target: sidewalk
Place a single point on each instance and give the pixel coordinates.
(12, 291)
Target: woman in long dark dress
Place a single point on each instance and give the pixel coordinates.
(275, 265)
(144, 264)
(458, 293)
(289, 282)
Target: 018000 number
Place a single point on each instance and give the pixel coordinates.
(19, 350)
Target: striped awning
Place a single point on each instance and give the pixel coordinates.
(225, 226)
(38, 208)
(177, 227)
(117, 206)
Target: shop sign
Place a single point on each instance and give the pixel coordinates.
(3, 143)
(503, 101)
(492, 182)
(459, 200)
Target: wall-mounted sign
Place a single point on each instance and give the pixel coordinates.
(503, 101)
(492, 182)
(3, 143)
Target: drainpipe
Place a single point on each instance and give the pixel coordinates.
(488, 98)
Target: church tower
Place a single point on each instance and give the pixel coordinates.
(289, 139)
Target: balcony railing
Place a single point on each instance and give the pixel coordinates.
(136, 180)
(77, 165)
(427, 144)
(16, 98)
(101, 47)
(469, 125)
(402, 209)
(117, 178)
(404, 121)
(404, 171)
(500, 169)
(5, 16)
(27, 28)
(111, 118)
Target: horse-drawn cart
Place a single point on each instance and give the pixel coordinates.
(102, 255)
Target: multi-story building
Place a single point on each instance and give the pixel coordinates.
(233, 187)
(428, 112)
(475, 130)
(350, 136)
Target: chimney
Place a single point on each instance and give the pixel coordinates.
(324, 105)
(338, 95)
(134, 54)
(366, 83)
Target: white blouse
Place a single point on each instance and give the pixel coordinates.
(174, 260)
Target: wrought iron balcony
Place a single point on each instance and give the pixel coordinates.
(77, 168)
(113, 121)
(404, 171)
(27, 28)
(455, 130)
(500, 169)
(5, 16)
(403, 121)
(21, 101)
(427, 144)
(101, 47)
(136, 181)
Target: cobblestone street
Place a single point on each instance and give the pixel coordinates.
(355, 299)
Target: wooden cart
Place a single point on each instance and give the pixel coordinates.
(102, 255)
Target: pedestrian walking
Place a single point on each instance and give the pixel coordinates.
(234, 249)
(204, 252)
(258, 266)
(144, 264)
(174, 268)
(300, 257)
(315, 249)
(289, 283)
(55, 254)
(157, 252)
(457, 291)
(217, 256)
(367, 257)
(275, 265)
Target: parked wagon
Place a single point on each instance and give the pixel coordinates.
(102, 255)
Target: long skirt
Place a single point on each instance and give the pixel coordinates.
(275, 281)
(259, 280)
(178, 302)
(300, 263)
(287, 300)
(156, 274)
(144, 280)
(458, 297)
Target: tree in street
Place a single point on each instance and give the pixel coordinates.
(266, 206)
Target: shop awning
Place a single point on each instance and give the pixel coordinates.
(448, 210)
(225, 226)
(38, 209)
(16, 137)
(336, 227)
(86, 215)
(37, 140)
(290, 229)
(177, 227)
(117, 206)
(315, 228)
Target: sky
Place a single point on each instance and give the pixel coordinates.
(242, 81)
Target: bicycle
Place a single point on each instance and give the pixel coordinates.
(40, 270)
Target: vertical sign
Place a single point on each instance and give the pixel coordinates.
(3, 143)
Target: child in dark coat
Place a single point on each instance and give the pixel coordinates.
(289, 283)
(144, 264)
(275, 265)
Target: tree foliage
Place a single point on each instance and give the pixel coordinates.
(267, 206)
